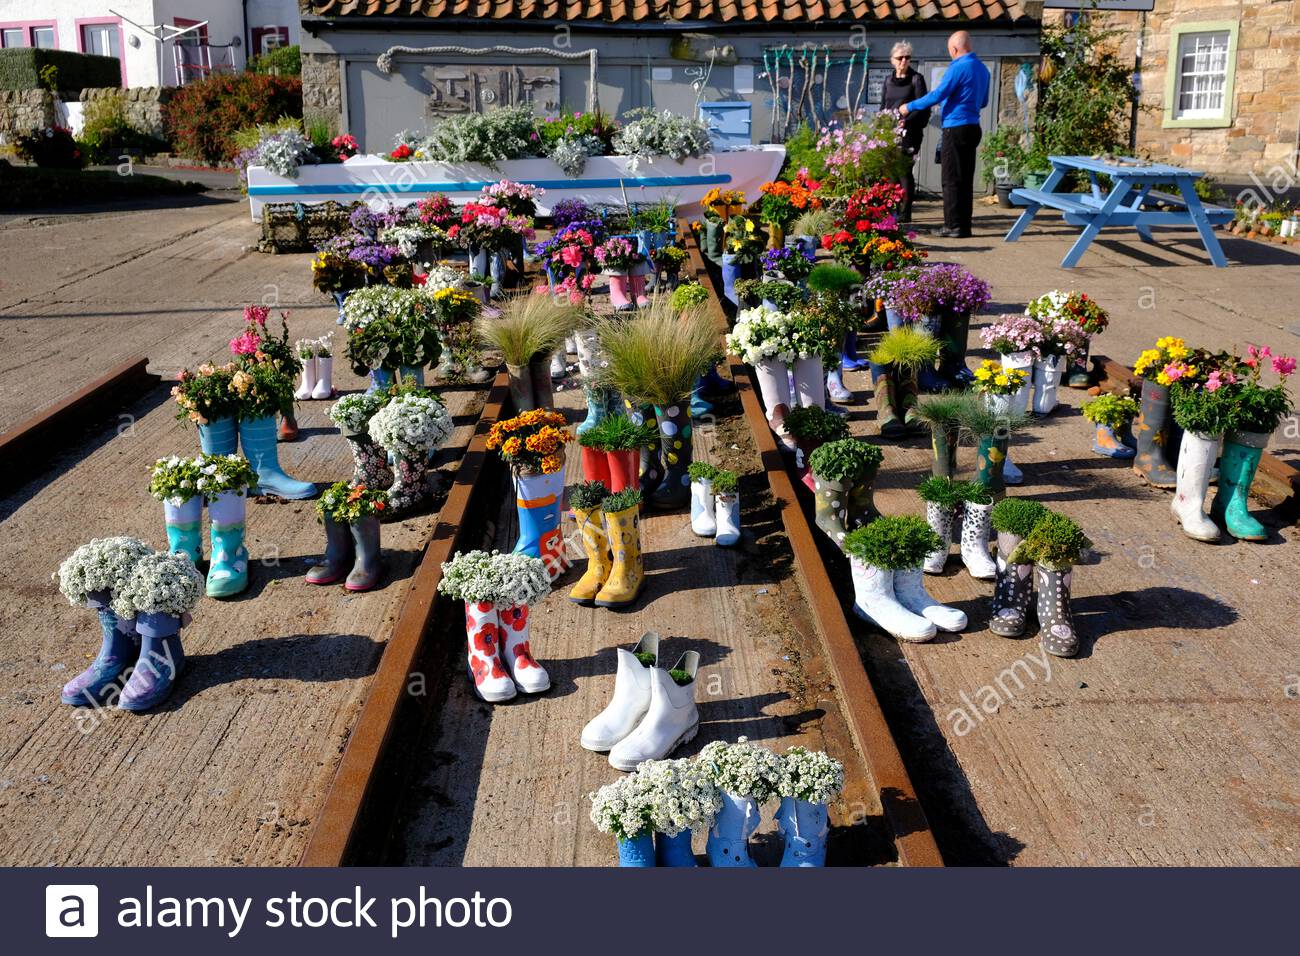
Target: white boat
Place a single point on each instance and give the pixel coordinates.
(606, 179)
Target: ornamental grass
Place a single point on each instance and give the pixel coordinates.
(657, 356)
(530, 325)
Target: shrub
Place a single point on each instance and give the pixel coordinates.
(621, 501)
(1055, 542)
(689, 294)
(1017, 516)
(894, 542)
(21, 68)
(724, 482)
(906, 347)
(105, 132)
(1115, 411)
(815, 424)
(203, 117)
(833, 277)
(701, 471)
(845, 460)
(50, 148)
(282, 61)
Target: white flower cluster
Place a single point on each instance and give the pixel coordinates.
(100, 565)
(283, 152)
(572, 152)
(506, 580)
(622, 808)
(761, 333)
(408, 236)
(411, 426)
(176, 480)
(315, 348)
(811, 775)
(647, 134)
(742, 769)
(352, 413)
(443, 277)
(681, 796)
(159, 583)
(374, 302)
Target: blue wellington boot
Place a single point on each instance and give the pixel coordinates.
(674, 850)
(804, 826)
(160, 663)
(184, 528)
(339, 299)
(597, 409)
(219, 437)
(228, 572)
(728, 844)
(850, 361)
(537, 500)
(637, 852)
(119, 647)
(699, 407)
(730, 273)
(714, 384)
(257, 436)
(381, 379)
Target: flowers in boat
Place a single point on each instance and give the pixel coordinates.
(345, 146)
(617, 254)
(411, 425)
(506, 580)
(646, 134)
(533, 442)
(103, 564)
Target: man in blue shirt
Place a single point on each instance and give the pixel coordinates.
(962, 93)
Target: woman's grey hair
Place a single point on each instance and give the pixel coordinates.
(902, 46)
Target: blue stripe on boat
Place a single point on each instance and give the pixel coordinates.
(326, 189)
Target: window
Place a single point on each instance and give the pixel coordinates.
(41, 33)
(1202, 74)
(12, 36)
(43, 37)
(103, 39)
(266, 39)
(1202, 61)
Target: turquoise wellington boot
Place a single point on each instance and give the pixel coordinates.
(597, 409)
(257, 436)
(220, 437)
(1237, 466)
(228, 572)
(184, 528)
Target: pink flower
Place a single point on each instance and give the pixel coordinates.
(246, 344)
(1284, 365)
(256, 313)
(1214, 382)
(1173, 372)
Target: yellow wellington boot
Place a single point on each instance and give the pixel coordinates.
(628, 574)
(596, 543)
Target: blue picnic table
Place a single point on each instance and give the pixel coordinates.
(1132, 185)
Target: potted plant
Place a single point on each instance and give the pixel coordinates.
(1037, 167)
(624, 266)
(351, 515)
(944, 511)
(943, 414)
(159, 594)
(1013, 519)
(1204, 414)
(1054, 546)
(895, 364)
(783, 202)
(809, 228)
(743, 245)
(454, 312)
(622, 515)
(1258, 411)
(528, 331)
(585, 500)
(174, 482)
(816, 330)
(762, 338)
(991, 428)
(489, 231)
(223, 481)
(624, 810)
(1112, 416)
(668, 261)
(655, 361)
(1002, 390)
(205, 397)
(811, 427)
(885, 558)
(613, 448)
(411, 425)
(841, 288)
(746, 776)
(1153, 432)
(352, 414)
(809, 780)
(1003, 158)
(843, 473)
(726, 508)
(941, 299)
(703, 509)
(1064, 340)
(498, 590)
(682, 800)
(1057, 309)
(89, 577)
(532, 444)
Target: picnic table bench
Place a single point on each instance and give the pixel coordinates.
(1132, 189)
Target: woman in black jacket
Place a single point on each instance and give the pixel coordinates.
(902, 87)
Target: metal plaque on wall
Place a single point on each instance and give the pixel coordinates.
(455, 89)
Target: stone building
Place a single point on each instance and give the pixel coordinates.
(1220, 86)
(764, 66)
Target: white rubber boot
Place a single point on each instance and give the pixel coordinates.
(941, 520)
(672, 720)
(324, 377)
(483, 629)
(631, 697)
(571, 345)
(975, 541)
(874, 601)
(703, 522)
(909, 589)
(558, 368)
(727, 510)
(1011, 475)
(308, 382)
(835, 388)
(1196, 458)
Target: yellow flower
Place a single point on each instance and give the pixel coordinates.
(1001, 380)
(1163, 379)
(982, 373)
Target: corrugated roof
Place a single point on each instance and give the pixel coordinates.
(644, 11)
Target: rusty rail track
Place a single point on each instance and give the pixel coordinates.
(26, 448)
(903, 812)
(361, 798)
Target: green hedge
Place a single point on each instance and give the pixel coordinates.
(20, 69)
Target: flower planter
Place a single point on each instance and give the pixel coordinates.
(219, 437)
(712, 240)
(674, 850)
(1034, 179)
(731, 271)
(637, 852)
(943, 443)
(184, 534)
(624, 469)
(381, 379)
(604, 179)
(1003, 191)
(1024, 362)
(774, 387)
(728, 844)
(537, 499)
(810, 382)
(990, 455)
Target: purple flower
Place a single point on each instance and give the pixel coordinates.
(938, 289)
(569, 211)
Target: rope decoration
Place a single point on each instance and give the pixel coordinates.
(385, 60)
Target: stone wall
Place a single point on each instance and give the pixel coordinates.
(24, 110)
(143, 106)
(1266, 97)
(322, 90)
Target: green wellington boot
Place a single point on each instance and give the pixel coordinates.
(1237, 466)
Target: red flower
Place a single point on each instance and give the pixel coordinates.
(479, 668)
(524, 656)
(485, 641)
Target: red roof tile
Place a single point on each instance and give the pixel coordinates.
(647, 11)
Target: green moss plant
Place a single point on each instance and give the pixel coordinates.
(894, 542)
